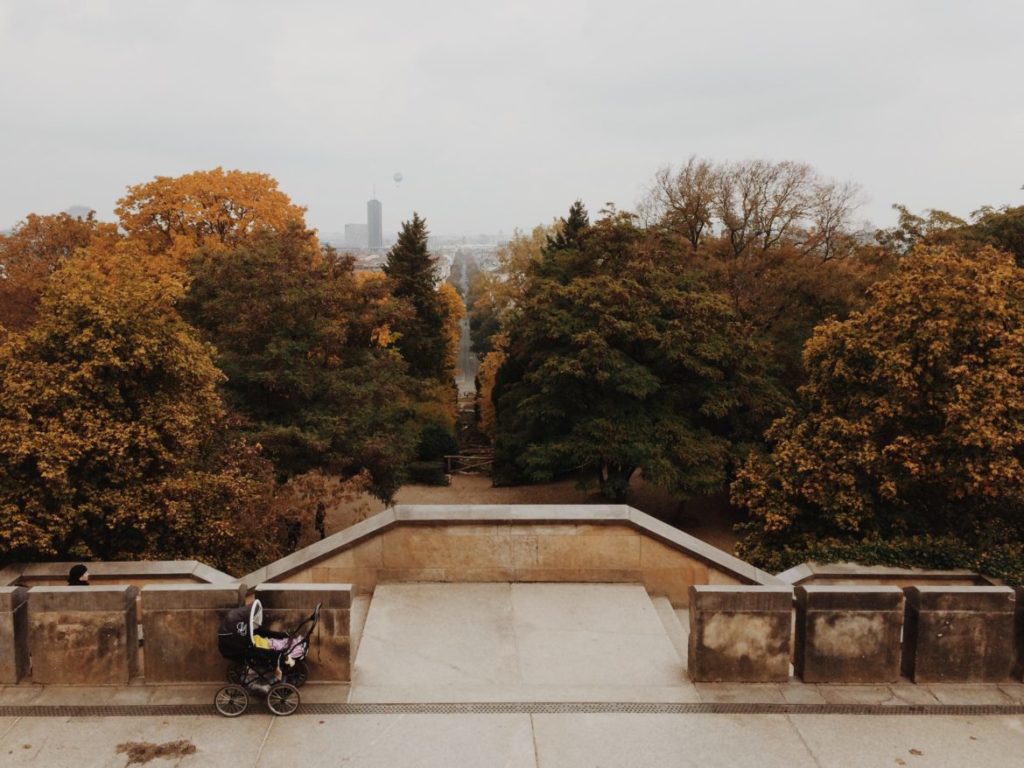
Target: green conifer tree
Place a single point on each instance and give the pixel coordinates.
(411, 272)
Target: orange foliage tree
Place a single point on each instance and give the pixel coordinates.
(214, 210)
(112, 431)
(912, 420)
(30, 254)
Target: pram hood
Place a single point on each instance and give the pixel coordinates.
(242, 621)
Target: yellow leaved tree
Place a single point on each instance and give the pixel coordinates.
(215, 210)
(912, 418)
(112, 438)
(33, 251)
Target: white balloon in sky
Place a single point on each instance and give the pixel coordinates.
(397, 177)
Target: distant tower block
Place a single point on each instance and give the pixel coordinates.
(375, 230)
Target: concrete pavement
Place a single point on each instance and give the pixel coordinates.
(529, 741)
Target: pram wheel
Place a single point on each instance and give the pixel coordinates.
(231, 700)
(297, 675)
(236, 671)
(283, 699)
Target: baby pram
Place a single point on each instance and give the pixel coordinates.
(262, 661)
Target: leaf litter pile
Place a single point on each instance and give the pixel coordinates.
(141, 752)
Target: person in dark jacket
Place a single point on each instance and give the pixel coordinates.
(321, 519)
(78, 576)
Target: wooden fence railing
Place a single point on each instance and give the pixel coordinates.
(481, 464)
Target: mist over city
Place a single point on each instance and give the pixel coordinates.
(500, 116)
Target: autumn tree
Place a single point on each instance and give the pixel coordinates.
(453, 310)
(1002, 228)
(215, 210)
(911, 418)
(305, 347)
(410, 270)
(778, 238)
(31, 253)
(749, 207)
(617, 362)
(935, 227)
(493, 295)
(112, 432)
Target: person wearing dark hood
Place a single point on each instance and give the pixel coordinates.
(78, 576)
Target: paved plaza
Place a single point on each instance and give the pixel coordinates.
(532, 675)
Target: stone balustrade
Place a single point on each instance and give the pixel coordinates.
(514, 543)
(959, 628)
(180, 626)
(848, 634)
(740, 634)
(83, 635)
(959, 634)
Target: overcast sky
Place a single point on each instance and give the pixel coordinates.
(499, 115)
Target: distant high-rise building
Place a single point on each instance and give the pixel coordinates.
(374, 226)
(357, 236)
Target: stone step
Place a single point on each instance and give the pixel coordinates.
(676, 623)
(357, 620)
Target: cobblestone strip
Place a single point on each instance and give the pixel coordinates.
(529, 707)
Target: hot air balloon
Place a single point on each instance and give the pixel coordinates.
(397, 177)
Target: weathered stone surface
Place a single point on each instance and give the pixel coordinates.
(419, 546)
(740, 634)
(304, 597)
(13, 634)
(83, 635)
(286, 605)
(116, 572)
(180, 626)
(959, 634)
(616, 548)
(854, 574)
(848, 634)
(453, 543)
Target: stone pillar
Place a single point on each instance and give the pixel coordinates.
(83, 635)
(13, 634)
(959, 634)
(848, 634)
(180, 623)
(285, 605)
(740, 634)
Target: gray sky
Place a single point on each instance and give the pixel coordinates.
(499, 115)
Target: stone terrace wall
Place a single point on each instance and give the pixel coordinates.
(853, 634)
(120, 572)
(855, 574)
(586, 543)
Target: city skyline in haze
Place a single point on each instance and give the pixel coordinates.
(498, 118)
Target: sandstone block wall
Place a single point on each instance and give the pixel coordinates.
(83, 635)
(180, 629)
(959, 634)
(516, 552)
(14, 659)
(740, 634)
(848, 634)
(285, 605)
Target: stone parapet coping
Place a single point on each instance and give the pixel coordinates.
(812, 571)
(483, 514)
(118, 569)
(12, 598)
